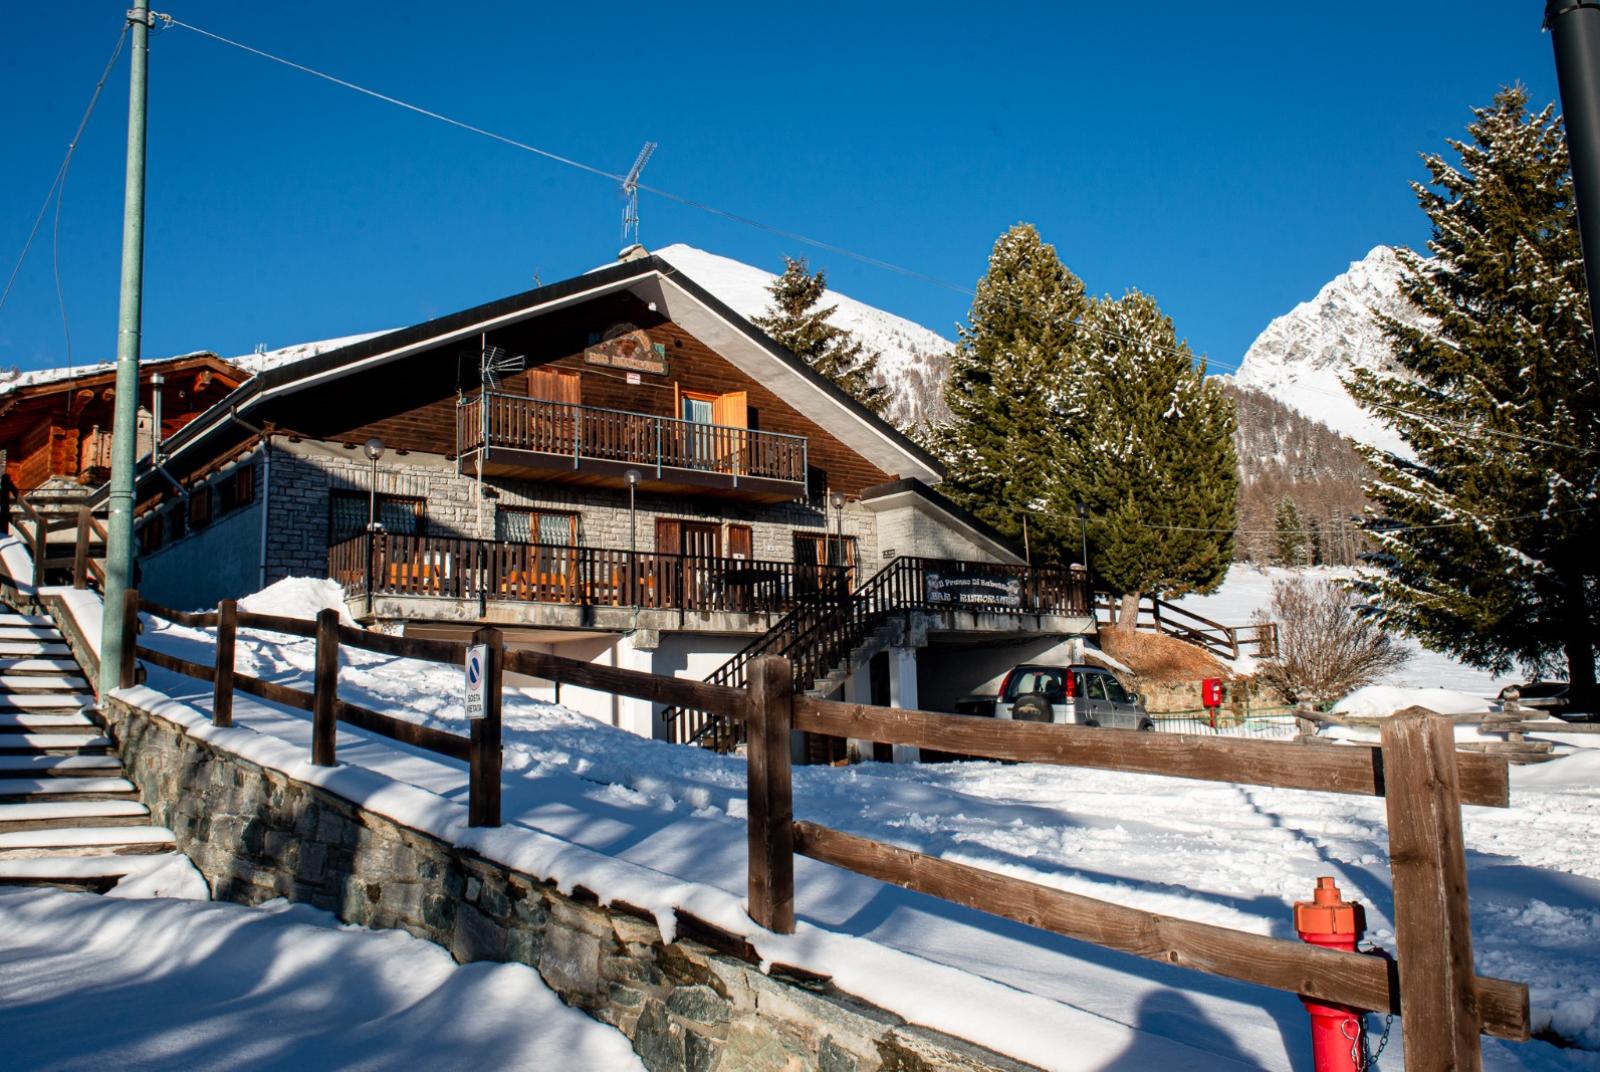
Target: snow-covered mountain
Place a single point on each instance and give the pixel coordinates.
(1302, 356)
(913, 361)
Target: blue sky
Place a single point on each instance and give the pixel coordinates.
(1228, 159)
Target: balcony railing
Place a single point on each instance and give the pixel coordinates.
(448, 567)
(590, 433)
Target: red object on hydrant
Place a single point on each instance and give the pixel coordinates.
(1337, 1031)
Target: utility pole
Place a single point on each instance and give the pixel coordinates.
(1574, 27)
(124, 439)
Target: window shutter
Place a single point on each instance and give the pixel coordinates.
(669, 536)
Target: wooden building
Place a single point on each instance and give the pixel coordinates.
(616, 467)
(57, 425)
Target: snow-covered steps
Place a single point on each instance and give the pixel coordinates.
(47, 721)
(86, 841)
(13, 620)
(77, 743)
(39, 666)
(82, 871)
(26, 649)
(44, 701)
(36, 766)
(38, 790)
(73, 813)
(30, 683)
(30, 632)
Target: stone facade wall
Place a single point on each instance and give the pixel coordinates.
(304, 473)
(697, 1004)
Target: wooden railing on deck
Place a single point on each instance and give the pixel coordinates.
(494, 570)
(591, 432)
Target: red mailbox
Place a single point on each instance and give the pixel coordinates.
(1211, 692)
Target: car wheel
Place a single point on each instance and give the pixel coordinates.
(1146, 726)
(1031, 707)
(1095, 722)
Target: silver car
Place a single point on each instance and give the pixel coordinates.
(1081, 694)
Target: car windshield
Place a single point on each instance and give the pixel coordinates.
(1035, 679)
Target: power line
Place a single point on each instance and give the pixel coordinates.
(794, 235)
(59, 183)
(1377, 527)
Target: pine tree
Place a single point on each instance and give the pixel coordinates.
(1150, 451)
(1290, 534)
(1007, 394)
(1485, 528)
(797, 322)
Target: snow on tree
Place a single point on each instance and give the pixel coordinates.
(1485, 531)
(1003, 444)
(1150, 452)
(798, 323)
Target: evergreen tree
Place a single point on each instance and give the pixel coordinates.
(1007, 396)
(797, 322)
(1290, 534)
(1485, 527)
(1150, 451)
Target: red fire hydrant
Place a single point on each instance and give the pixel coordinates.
(1337, 1031)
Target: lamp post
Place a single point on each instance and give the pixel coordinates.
(837, 499)
(632, 477)
(374, 452)
(1083, 526)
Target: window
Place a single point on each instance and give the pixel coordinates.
(1115, 692)
(237, 489)
(536, 526)
(741, 541)
(1047, 681)
(1097, 686)
(175, 522)
(348, 512)
(150, 535)
(199, 508)
(818, 550)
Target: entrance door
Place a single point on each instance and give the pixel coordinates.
(690, 577)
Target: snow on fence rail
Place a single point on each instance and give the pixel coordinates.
(1417, 769)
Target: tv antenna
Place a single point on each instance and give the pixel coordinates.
(494, 362)
(630, 190)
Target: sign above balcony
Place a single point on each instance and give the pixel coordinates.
(629, 349)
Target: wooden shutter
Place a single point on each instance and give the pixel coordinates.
(731, 410)
(554, 385)
(741, 541)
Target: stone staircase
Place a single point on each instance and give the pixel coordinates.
(68, 817)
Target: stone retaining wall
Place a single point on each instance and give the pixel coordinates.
(697, 1004)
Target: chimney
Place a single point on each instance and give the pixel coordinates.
(633, 253)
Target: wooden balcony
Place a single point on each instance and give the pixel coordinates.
(495, 570)
(515, 436)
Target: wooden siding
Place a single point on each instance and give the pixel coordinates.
(385, 403)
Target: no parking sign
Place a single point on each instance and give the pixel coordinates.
(477, 661)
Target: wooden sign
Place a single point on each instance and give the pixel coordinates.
(631, 351)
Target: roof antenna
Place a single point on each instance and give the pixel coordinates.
(630, 190)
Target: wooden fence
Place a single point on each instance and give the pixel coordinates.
(1417, 770)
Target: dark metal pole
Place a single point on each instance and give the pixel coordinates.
(1574, 27)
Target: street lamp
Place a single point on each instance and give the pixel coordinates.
(1083, 525)
(632, 477)
(837, 499)
(374, 452)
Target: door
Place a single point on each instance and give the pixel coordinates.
(1124, 709)
(690, 577)
(1099, 702)
(551, 425)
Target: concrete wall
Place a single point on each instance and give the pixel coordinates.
(700, 1003)
(217, 562)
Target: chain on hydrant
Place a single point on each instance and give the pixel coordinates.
(1338, 1032)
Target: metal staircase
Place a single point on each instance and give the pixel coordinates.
(830, 634)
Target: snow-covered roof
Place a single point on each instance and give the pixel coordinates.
(15, 381)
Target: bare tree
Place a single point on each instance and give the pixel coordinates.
(1326, 649)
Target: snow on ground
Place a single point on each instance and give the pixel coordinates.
(88, 982)
(657, 824)
(1249, 588)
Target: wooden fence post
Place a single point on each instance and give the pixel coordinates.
(41, 547)
(80, 554)
(222, 689)
(483, 793)
(5, 505)
(130, 638)
(771, 805)
(325, 697)
(1433, 929)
